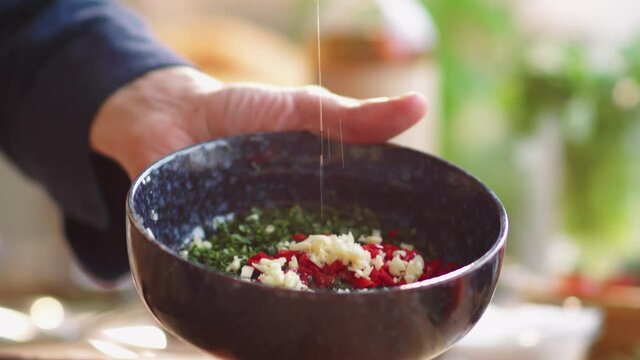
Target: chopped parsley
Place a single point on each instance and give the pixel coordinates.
(265, 230)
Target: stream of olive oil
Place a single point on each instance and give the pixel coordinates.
(320, 105)
(321, 116)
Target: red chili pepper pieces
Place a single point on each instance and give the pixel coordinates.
(324, 277)
(389, 249)
(381, 277)
(298, 237)
(334, 268)
(306, 266)
(430, 269)
(372, 249)
(357, 282)
(255, 259)
(393, 233)
(287, 254)
(410, 254)
(323, 280)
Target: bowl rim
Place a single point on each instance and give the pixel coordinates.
(494, 251)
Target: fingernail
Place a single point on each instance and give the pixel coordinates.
(408, 95)
(394, 98)
(376, 100)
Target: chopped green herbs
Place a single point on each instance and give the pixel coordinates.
(343, 250)
(265, 229)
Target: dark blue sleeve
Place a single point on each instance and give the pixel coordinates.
(59, 60)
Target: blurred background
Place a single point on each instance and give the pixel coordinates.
(540, 99)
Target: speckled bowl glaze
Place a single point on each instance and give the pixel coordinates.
(458, 216)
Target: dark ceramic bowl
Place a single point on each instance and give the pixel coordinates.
(459, 217)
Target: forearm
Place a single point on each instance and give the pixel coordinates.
(60, 61)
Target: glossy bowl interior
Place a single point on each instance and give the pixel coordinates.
(456, 215)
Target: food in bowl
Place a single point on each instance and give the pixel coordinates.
(456, 217)
(296, 248)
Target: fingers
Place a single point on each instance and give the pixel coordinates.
(368, 121)
(247, 108)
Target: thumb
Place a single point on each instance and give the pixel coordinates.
(248, 108)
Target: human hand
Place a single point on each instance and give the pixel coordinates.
(172, 108)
